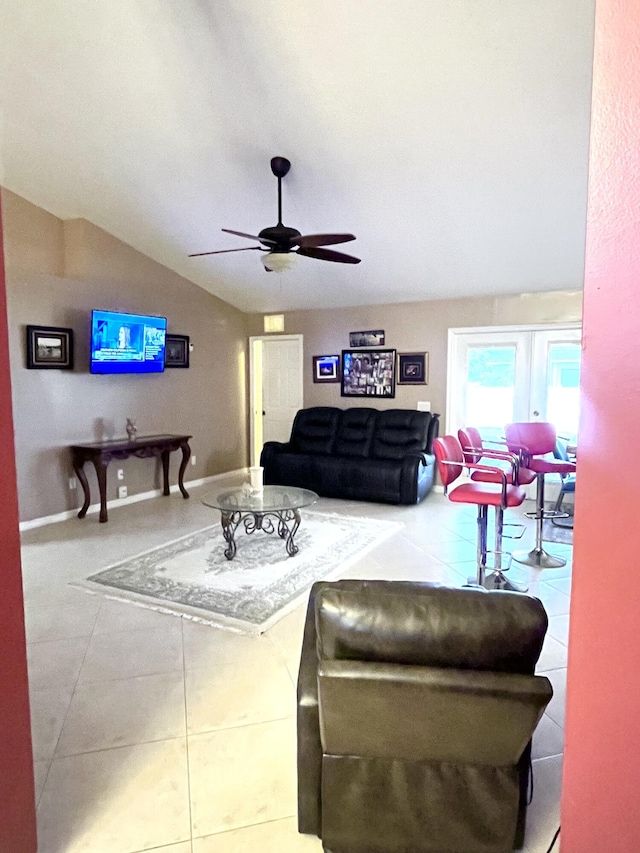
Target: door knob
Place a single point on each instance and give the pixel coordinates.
(536, 414)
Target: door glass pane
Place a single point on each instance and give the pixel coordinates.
(490, 387)
(563, 388)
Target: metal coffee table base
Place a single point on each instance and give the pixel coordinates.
(285, 522)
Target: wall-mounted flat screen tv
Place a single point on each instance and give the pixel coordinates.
(127, 343)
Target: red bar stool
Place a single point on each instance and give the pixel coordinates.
(532, 440)
(475, 450)
(498, 493)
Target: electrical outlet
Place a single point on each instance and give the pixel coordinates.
(424, 406)
(193, 459)
(122, 491)
(73, 483)
(120, 474)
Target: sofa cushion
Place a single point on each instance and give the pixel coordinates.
(314, 430)
(355, 432)
(399, 432)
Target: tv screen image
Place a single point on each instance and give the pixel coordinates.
(127, 343)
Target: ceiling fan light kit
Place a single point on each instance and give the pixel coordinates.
(280, 242)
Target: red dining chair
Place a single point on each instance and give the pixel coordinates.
(533, 440)
(498, 493)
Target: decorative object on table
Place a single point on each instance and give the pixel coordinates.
(49, 347)
(326, 368)
(176, 351)
(368, 373)
(256, 476)
(132, 429)
(279, 242)
(413, 368)
(367, 339)
(191, 577)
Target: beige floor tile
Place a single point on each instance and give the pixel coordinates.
(127, 654)
(460, 551)
(55, 665)
(548, 739)
(563, 584)
(559, 629)
(277, 836)
(553, 656)
(287, 637)
(40, 771)
(116, 801)
(118, 616)
(543, 814)
(556, 708)
(48, 711)
(242, 776)
(204, 644)
(61, 622)
(122, 713)
(181, 847)
(556, 603)
(224, 694)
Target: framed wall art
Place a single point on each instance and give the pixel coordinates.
(413, 368)
(366, 339)
(326, 368)
(368, 373)
(176, 351)
(49, 347)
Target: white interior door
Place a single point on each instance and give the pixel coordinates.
(276, 388)
(497, 376)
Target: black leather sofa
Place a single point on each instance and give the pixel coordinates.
(416, 705)
(358, 453)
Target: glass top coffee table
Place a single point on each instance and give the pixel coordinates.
(273, 509)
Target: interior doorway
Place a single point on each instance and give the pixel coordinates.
(519, 373)
(276, 388)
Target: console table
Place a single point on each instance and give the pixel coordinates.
(100, 453)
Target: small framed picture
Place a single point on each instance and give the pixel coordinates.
(368, 373)
(49, 347)
(176, 351)
(366, 339)
(326, 368)
(413, 368)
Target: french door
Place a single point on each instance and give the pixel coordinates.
(519, 373)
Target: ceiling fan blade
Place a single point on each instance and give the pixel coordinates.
(327, 255)
(309, 240)
(248, 236)
(224, 251)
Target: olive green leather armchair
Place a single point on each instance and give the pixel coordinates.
(416, 708)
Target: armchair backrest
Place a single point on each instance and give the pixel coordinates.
(435, 657)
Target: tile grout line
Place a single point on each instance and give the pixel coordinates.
(186, 732)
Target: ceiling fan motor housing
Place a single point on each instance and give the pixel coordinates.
(283, 237)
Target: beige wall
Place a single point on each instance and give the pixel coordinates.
(56, 273)
(414, 327)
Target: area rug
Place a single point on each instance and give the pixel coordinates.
(191, 577)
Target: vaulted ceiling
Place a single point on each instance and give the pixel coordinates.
(450, 136)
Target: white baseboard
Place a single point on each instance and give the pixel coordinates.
(116, 502)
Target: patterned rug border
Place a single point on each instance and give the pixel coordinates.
(222, 621)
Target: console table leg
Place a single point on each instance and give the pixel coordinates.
(101, 473)
(186, 453)
(165, 471)
(78, 467)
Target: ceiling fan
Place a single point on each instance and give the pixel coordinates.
(282, 243)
